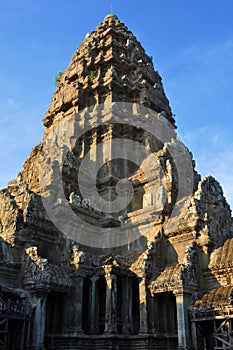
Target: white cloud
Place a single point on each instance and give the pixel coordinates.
(212, 147)
(200, 71)
(201, 85)
(15, 105)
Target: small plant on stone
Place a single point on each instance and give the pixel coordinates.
(92, 74)
(64, 137)
(58, 78)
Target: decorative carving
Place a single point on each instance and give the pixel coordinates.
(161, 197)
(86, 203)
(75, 200)
(41, 276)
(190, 261)
(147, 199)
(33, 256)
(14, 302)
(78, 256)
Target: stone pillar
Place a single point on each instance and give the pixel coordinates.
(94, 315)
(194, 336)
(130, 306)
(111, 304)
(79, 304)
(143, 306)
(125, 306)
(38, 328)
(182, 321)
(73, 308)
(152, 314)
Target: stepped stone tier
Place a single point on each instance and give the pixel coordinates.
(156, 273)
(109, 66)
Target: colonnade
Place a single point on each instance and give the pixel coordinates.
(111, 304)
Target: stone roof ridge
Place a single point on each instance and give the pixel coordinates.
(222, 256)
(214, 298)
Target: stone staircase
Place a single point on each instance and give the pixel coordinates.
(116, 343)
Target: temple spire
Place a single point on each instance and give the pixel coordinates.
(109, 66)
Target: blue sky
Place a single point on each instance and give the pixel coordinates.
(192, 47)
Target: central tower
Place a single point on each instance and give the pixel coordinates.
(111, 66)
(109, 237)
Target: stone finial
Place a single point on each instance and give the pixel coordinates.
(111, 16)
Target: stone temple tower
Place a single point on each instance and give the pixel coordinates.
(109, 238)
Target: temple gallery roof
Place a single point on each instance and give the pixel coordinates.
(222, 257)
(167, 279)
(215, 298)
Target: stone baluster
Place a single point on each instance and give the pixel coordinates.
(111, 302)
(143, 305)
(38, 330)
(107, 147)
(82, 149)
(182, 321)
(93, 149)
(94, 306)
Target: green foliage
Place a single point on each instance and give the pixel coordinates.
(58, 78)
(92, 74)
(64, 137)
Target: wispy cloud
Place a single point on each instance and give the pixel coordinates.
(201, 70)
(212, 136)
(15, 105)
(214, 156)
(200, 80)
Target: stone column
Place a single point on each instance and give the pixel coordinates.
(93, 313)
(130, 306)
(125, 306)
(73, 308)
(143, 305)
(38, 329)
(79, 304)
(111, 304)
(182, 321)
(194, 336)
